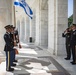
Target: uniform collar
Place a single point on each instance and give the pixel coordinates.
(8, 32)
(74, 30)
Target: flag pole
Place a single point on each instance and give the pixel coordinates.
(14, 16)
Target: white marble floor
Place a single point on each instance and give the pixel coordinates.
(35, 61)
(66, 64)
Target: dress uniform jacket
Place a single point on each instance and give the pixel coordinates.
(73, 44)
(8, 42)
(16, 36)
(68, 37)
(73, 38)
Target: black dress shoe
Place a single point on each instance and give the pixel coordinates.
(10, 69)
(13, 64)
(15, 61)
(73, 63)
(67, 58)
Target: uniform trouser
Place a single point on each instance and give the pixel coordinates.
(68, 51)
(73, 53)
(13, 55)
(8, 59)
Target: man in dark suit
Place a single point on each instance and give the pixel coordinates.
(8, 48)
(73, 43)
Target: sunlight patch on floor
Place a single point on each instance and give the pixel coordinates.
(37, 68)
(23, 44)
(22, 56)
(42, 74)
(3, 69)
(28, 51)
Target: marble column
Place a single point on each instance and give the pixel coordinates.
(33, 27)
(13, 13)
(20, 30)
(5, 18)
(27, 29)
(22, 27)
(74, 11)
(44, 23)
(18, 27)
(30, 28)
(51, 13)
(9, 14)
(58, 22)
(37, 23)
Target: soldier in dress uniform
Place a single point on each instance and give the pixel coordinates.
(16, 37)
(73, 43)
(67, 35)
(8, 48)
(13, 38)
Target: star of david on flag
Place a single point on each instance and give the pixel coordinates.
(25, 6)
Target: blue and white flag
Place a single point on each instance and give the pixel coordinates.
(25, 6)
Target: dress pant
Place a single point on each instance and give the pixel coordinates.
(9, 58)
(68, 51)
(73, 53)
(13, 55)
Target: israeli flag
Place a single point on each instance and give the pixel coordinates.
(25, 6)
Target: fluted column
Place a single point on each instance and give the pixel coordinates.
(74, 11)
(44, 23)
(58, 22)
(33, 27)
(37, 23)
(23, 29)
(27, 29)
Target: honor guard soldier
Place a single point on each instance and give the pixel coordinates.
(73, 43)
(16, 37)
(8, 48)
(13, 38)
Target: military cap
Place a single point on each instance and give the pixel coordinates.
(74, 24)
(6, 27)
(12, 26)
